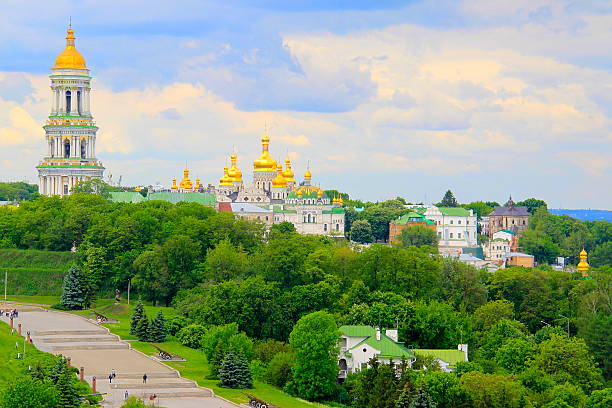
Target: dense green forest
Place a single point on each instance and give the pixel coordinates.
(234, 284)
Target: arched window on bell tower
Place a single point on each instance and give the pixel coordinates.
(68, 98)
(79, 103)
(67, 149)
(83, 148)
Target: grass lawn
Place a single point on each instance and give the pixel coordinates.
(41, 300)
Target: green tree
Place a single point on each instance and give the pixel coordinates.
(532, 204)
(449, 200)
(403, 401)
(376, 386)
(284, 227)
(600, 399)
(219, 340)
(267, 349)
(136, 317)
(192, 335)
(568, 360)
(361, 231)
(94, 186)
(279, 371)
(515, 354)
(444, 389)
(493, 390)
(73, 294)
(68, 395)
(601, 255)
(540, 245)
(226, 262)
(315, 341)
(492, 313)
(422, 400)
(152, 278)
(142, 328)
(133, 402)
(157, 329)
(234, 371)
(418, 235)
(569, 394)
(498, 335)
(29, 393)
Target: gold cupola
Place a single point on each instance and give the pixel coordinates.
(279, 181)
(226, 180)
(198, 184)
(174, 187)
(70, 57)
(288, 173)
(234, 172)
(583, 266)
(186, 183)
(265, 162)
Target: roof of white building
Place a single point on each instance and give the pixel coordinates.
(248, 208)
(386, 346)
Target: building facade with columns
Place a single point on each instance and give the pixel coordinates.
(70, 131)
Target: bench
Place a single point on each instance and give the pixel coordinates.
(258, 403)
(167, 356)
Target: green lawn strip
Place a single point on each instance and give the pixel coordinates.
(38, 300)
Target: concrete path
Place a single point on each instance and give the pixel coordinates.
(99, 352)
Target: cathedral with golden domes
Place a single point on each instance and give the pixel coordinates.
(70, 131)
(274, 196)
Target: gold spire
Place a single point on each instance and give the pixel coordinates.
(70, 57)
(198, 184)
(265, 162)
(279, 181)
(174, 186)
(226, 180)
(583, 266)
(288, 173)
(307, 174)
(234, 172)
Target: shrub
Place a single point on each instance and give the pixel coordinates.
(176, 323)
(192, 335)
(279, 369)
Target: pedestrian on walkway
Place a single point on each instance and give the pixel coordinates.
(110, 378)
(113, 373)
(126, 395)
(144, 378)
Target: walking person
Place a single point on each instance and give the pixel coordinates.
(126, 396)
(113, 373)
(110, 378)
(144, 378)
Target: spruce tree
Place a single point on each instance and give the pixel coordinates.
(422, 400)
(449, 200)
(234, 371)
(403, 400)
(68, 395)
(136, 317)
(142, 328)
(73, 293)
(158, 328)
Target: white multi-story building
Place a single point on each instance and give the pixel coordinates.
(70, 129)
(456, 228)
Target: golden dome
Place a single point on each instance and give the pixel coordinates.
(338, 201)
(307, 174)
(226, 180)
(70, 57)
(234, 172)
(583, 266)
(174, 187)
(288, 173)
(279, 181)
(583, 253)
(198, 183)
(265, 162)
(308, 191)
(186, 181)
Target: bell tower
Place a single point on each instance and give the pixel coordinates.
(70, 132)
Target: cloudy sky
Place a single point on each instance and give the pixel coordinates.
(383, 98)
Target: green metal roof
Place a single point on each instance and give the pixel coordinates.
(506, 231)
(454, 211)
(413, 217)
(126, 197)
(334, 210)
(452, 357)
(387, 347)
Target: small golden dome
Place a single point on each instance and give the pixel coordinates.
(186, 183)
(265, 162)
(288, 173)
(279, 181)
(226, 180)
(320, 193)
(583, 266)
(234, 172)
(583, 253)
(307, 174)
(174, 186)
(70, 57)
(198, 183)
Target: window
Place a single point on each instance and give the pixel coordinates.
(325, 227)
(83, 148)
(459, 222)
(467, 222)
(451, 222)
(467, 234)
(68, 97)
(523, 222)
(337, 227)
(458, 235)
(65, 188)
(451, 235)
(66, 148)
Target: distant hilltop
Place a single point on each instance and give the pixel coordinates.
(585, 215)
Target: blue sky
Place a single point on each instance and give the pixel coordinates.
(383, 98)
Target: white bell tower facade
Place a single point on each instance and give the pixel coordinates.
(70, 131)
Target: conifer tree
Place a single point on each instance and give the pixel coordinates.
(136, 317)
(403, 400)
(449, 200)
(73, 293)
(234, 371)
(142, 328)
(422, 400)
(157, 329)
(68, 395)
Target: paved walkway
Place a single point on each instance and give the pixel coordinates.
(99, 352)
